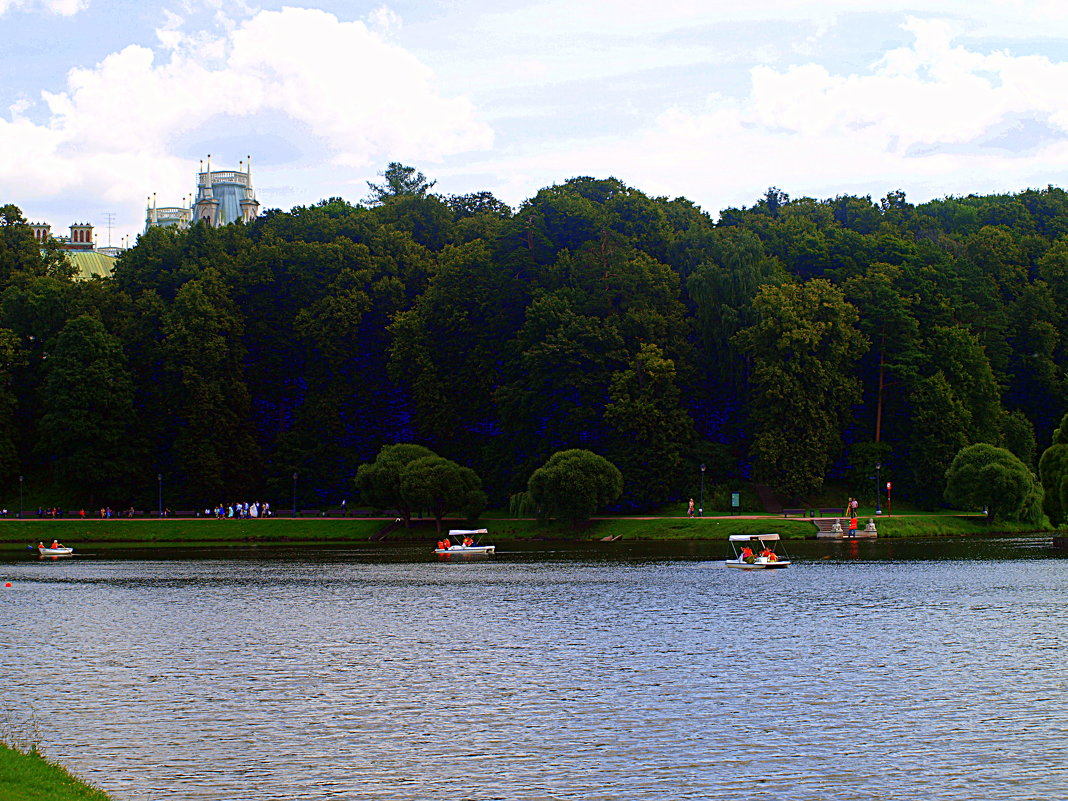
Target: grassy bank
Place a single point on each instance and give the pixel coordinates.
(31, 777)
(17, 534)
(187, 531)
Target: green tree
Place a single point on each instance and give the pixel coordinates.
(88, 407)
(803, 348)
(19, 250)
(1018, 436)
(650, 429)
(445, 348)
(574, 484)
(938, 426)
(210, 403)
(1053, 471)
(959, 355)
(11, 357)
(440, 485)
(985, 475)
(380, 482)
(400, 181)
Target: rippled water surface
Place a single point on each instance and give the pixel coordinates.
(865, 671)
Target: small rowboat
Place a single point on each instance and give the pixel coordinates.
(457, 548)
(62, 550)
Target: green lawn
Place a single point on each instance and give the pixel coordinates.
(18, 534)
(31, 777)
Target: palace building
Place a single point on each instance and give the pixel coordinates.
(89, 261)
(222, 197)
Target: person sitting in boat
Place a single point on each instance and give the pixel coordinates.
(769, 554)
(747, 555)
(468, 541)
(55, 544)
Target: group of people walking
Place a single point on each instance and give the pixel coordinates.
(240, 511)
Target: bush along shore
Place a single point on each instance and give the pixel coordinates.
(28, 776)
(19, 534)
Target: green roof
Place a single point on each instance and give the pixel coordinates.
(90, 264)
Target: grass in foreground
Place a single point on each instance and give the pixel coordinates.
(31, 777)
(17, 534)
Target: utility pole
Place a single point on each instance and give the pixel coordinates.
(110, 217)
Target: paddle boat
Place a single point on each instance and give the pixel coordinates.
(756, 552)
(56, 549)
(462, 542)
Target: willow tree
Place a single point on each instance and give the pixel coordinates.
(1053, 470)
(574, 484)
(803, 348)
(985, 475)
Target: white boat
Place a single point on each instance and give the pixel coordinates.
(456, 547)
(62, 550)
(757, 552)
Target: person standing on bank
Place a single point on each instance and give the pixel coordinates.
(853, 526)
(689, 510)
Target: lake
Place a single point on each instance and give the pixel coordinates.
(867, 670)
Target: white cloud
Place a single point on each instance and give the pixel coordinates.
(384, 20)
(63, 8)
(115, 129)
(933, 118)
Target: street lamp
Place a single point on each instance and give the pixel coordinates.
(20, 497)
(701, 508)
(878, 497)
(294, 493)
(159, 479)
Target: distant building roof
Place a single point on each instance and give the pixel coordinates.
(90, 264)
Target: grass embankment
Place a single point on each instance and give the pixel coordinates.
(31, 777)
(187, 531)
(17, 534)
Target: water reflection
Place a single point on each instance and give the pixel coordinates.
(617, 670)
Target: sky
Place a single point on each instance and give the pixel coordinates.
(106, 103)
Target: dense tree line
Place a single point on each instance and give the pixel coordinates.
(792, 342)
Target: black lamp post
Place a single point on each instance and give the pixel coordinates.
(159, 480)
(878, 497)
(701, 508)
(20, 497)
(294, 493)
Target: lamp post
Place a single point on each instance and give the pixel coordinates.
(159, 480)
(878, 497)
(294, 493)
(701, 508)
(20, 497)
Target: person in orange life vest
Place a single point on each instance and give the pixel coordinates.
(853, 526)
(768, 554)
(468, 541)
(747, 555)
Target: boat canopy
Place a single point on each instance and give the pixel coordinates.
(459, 532)
(750, 537)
